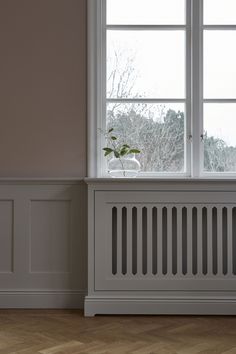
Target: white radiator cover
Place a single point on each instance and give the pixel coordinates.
(161, 247)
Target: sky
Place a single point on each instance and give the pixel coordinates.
(159, 56)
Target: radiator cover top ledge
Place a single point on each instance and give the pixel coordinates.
(161, 246)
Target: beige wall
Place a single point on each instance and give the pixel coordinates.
(42, 88)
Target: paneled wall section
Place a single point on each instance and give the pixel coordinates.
(42, 244)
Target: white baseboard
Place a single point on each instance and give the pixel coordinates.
(37, 299)
(160, 306)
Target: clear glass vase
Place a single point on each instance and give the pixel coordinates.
(127, 166)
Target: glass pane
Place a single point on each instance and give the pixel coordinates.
(158, 130)
(220, 137)
(144, 12)
(146, 64)
(219, 64)
(219, 12)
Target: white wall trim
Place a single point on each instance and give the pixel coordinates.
(42, 299)
(92, 83)
(160, 306)
(40, 181)
(193, 184)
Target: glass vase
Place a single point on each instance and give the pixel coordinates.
(126, 166)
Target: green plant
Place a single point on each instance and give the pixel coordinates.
(114, 147)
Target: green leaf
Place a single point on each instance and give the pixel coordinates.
(116, 153)
(107, 149)
(107, 153)
(114, 138)
(134, 151)
(124, 151)
(110, 130)
(126, 146)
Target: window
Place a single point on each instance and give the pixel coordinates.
(163, 75)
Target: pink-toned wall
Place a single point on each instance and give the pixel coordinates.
(42, 88)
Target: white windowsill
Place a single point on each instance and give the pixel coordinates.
(109, 180)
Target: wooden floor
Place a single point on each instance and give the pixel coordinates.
(68, 332)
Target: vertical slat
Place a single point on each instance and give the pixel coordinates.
(189, 241)
(219, 242)
(124, 240)
(129, 240)
(154, 240)
(209, 241)
(169, 240)
(179, 241)
(230, 241)
(159, 240)
(139, 241)
(199, 241)
(119, 240)
(110, 242)
(149, 240)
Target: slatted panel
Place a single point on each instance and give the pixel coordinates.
(173, 241)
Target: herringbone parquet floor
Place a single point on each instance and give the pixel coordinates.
(68, 332)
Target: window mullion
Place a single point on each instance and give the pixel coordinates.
(219, 100)
(188, 113)
(145, 27)
(146, 100)
(197, 87)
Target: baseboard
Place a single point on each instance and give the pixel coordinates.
(53, 299)
(160, 306)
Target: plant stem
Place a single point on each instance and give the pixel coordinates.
(122, 165)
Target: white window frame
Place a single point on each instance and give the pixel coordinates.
(215, 175)
(194, 155)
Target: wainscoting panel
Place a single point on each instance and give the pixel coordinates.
(43, 244)
(50, 236)
(6, 236)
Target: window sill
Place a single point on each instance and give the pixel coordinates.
(109, 180)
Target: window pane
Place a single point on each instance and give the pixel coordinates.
(158, 130)
(219, 12)
(145, 12)
(146, 64)
(219, 64)
(220, 137)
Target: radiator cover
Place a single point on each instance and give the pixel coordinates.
(159, 247)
